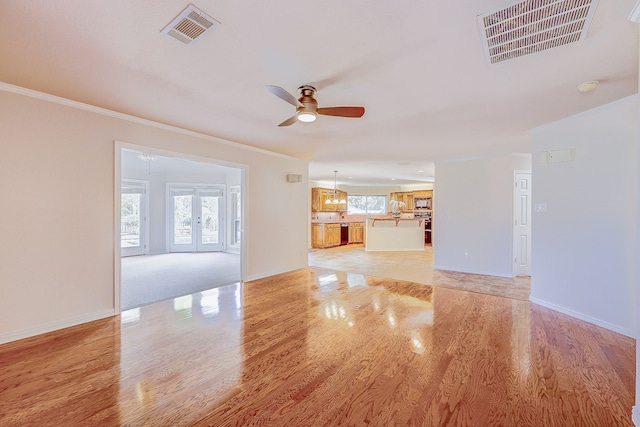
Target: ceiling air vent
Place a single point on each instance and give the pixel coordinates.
(190, 25)
(532, 26)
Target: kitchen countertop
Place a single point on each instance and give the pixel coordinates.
(338, 222)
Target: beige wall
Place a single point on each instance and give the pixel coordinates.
(473, 214)
(57, 216)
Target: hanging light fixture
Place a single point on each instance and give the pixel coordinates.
(335, 200)
(148, 158)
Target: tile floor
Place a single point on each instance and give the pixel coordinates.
(416, 266)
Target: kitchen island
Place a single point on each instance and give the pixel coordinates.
(391, 234)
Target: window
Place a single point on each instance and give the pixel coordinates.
(133, 217)
(236, 215)
(366, 205)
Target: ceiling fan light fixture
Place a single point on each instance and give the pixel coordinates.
(588, 86)
(307, 116)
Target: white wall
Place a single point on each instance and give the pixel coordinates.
(473, 213)
(57, 222)
(584, 247)
(636, 409)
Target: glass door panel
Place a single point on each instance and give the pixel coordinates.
(182, 220)
(210, 223)
(133, 215)
(196, 219)
(130, 220)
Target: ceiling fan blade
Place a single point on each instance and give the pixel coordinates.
(291, 120)
(342, 111)
(283, 94)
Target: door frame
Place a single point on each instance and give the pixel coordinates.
(118, 146)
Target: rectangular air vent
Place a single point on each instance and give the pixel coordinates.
(190, 25)
(532, 26)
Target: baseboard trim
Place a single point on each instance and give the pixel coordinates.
(581, 316)
(54, 326)
(484, 273)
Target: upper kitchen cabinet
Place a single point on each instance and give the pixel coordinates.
(413, 200)
(405, 199)
(319, 197)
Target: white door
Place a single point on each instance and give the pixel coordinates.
(522, 224)
(133, 218)
(196, 219)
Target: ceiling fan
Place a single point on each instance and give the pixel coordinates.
(307, 107)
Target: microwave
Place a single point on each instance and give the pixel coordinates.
(422, 203)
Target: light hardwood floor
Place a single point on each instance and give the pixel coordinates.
(320, 347)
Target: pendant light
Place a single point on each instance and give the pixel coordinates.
(335, 200)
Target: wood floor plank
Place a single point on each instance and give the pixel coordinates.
(320, 347)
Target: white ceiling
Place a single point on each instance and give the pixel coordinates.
(418, 67)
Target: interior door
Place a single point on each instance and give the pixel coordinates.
(522, 224)
(196, 214)
(133, 218)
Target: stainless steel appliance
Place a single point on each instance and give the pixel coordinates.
(427, 224)
(422, 203)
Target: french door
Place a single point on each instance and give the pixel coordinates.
(133, 218)
(196, 218)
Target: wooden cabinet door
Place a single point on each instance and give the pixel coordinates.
(408, 200)
(317, 235)
(332, 235)
(356, 232)
(316, 205)
(402, 198)
(342, 195)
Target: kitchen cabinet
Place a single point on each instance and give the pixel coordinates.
(319, 197)
(405, 200)
(408, 202)
(356, 232)
(332, 235)
(325, 235)
(408, 198)
(342, 195)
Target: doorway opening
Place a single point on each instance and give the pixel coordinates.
(180, 225)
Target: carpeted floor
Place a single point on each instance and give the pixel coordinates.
(151, 278)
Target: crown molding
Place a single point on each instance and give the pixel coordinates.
(134, 119)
